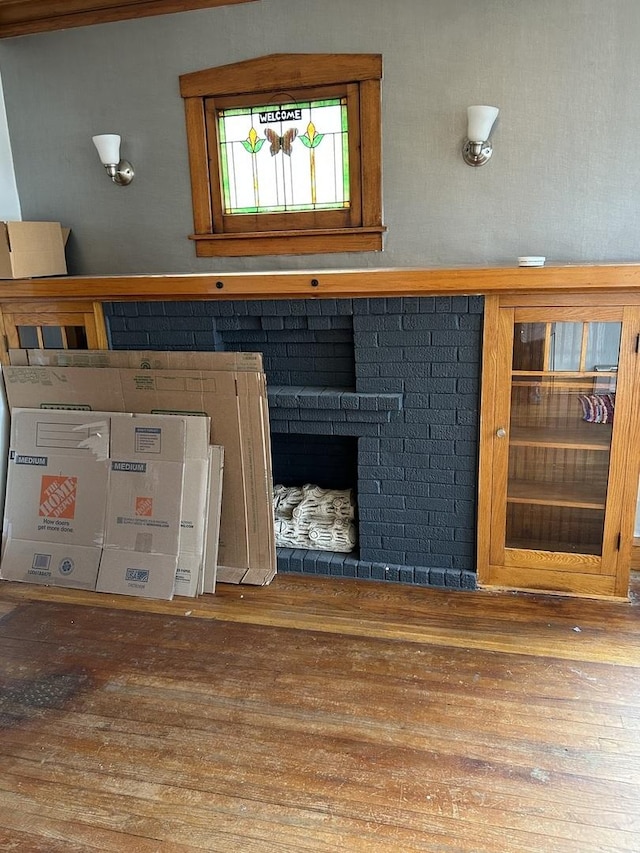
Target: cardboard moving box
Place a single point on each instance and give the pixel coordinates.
(144, 506)
(56, 496)
(236, 401)
(31, 249)
(96, 500)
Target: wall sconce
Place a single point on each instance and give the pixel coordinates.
(108, 145)
(477, 149)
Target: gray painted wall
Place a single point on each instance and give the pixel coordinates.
(563, 181)
(9, 201)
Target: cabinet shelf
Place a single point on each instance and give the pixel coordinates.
(587, 437)
(550, 547)
(579, 495)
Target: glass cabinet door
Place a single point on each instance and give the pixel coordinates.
(563, 398)
(559, 450)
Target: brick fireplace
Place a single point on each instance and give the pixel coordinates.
(390, 385)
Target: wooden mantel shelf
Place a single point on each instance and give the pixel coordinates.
(611, 278)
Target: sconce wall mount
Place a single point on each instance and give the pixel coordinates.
(477, 148)
(120, 171)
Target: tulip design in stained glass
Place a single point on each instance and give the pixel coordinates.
(280, 158)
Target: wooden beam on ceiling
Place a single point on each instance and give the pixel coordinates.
(23, 17)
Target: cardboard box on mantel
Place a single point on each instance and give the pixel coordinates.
(31, 249)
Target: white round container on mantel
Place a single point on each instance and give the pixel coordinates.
(531, 261)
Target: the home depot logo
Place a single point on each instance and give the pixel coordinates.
(58, 497)
(144, 507)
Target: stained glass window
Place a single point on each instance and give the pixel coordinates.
(286, 157)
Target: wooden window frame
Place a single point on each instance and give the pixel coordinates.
(302, 76)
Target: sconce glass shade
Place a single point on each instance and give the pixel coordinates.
(480, 120)
(120, 171)
(477, 148)
(108, 145)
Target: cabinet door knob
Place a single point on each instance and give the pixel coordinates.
(501, 432)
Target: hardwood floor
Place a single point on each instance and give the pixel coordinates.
(319, 715)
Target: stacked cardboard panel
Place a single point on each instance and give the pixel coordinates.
(229, 388)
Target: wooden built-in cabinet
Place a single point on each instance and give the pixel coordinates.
(558, 453)
(557, 482)
(52, 325)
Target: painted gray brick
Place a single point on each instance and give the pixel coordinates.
(379, 386)
(419, 322)
(466, 448)
(387, 532)
(390, 305)
(328, 306)
(457, 369)
(437, 577)
(274, 323)
(453, 578)
(373, 516)
(377, 500)
(171, 340)
(310, 428)
(323, 563)
(466, 478)
(467, 386)
(351, 428)
(430, 475)
(362, 340)
(432, 354)
(467, 353)
(364, 569)
(206, 341)
(320, 323)
(334, 416)
(376, 323)
(179, 309)
(295, 323)
(470, 417)
(430, 416)
(155, 324)
(403, 338)
(392, 573)
(130, 340)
